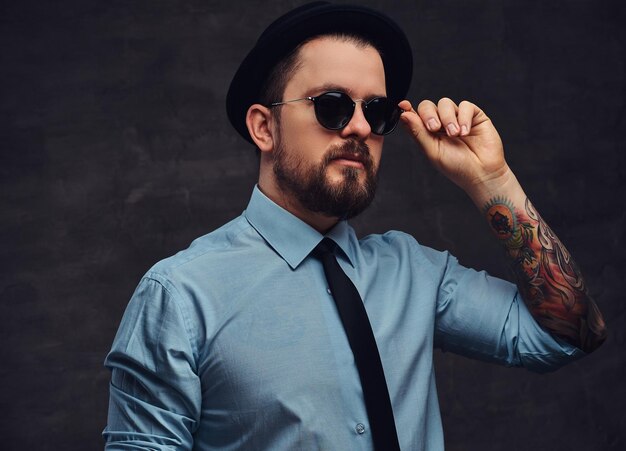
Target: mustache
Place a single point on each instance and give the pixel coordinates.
(351, 148)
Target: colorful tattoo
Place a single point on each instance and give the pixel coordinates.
(547, 276)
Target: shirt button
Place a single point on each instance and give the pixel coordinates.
(328, 291)
(360, 428)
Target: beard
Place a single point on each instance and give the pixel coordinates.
(311, 187)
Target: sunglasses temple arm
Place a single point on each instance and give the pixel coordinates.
(293, 100)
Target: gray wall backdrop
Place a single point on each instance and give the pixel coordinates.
(115, 152)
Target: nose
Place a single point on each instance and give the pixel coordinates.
(358, 127)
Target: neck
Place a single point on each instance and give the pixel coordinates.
(318, 221)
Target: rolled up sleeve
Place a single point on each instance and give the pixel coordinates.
(155, 394)
(484, 317)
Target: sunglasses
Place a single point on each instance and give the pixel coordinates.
(334, 109)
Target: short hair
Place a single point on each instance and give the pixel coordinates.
(274, 86)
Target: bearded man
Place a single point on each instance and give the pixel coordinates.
(282, 330)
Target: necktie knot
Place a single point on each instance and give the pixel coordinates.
(324, 248)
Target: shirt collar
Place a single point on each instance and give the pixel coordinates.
(290, 237)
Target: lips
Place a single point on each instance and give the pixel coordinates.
(348, 159)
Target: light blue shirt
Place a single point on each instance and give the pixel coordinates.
(235, 343)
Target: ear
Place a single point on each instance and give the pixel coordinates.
(259, 121)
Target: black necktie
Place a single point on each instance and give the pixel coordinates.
(361, 339)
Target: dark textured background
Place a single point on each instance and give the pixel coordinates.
(116, 152)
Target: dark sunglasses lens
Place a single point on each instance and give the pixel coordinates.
(382, 115)
(333, 110)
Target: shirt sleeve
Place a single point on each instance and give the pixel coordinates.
(484, 317)
(155, 394)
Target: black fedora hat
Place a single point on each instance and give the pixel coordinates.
(288, 31)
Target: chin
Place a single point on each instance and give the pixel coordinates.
(345, 174)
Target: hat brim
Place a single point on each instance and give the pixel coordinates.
(288, 31)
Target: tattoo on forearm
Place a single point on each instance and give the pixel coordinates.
(547, 276)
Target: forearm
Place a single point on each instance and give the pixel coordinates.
(470, 153)
(547, 277)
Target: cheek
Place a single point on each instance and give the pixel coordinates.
(376, 152)
(309, 145)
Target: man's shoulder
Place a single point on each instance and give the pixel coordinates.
(389, 238)
(401, 243)
(216, 248)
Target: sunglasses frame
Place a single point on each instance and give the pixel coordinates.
(364, 106)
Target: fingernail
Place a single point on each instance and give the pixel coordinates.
(452, 129)
(432, 124)
(464, 130)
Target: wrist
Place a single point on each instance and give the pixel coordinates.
(502, 184)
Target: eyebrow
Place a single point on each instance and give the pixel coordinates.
(316, 90)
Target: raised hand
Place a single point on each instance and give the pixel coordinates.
(460, 141)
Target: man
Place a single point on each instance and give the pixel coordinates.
(242, 341)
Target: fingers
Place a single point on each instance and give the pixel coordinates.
(465, 116)
(412, 120)
(447, 113)
(427, 111)
(447, 117)
(418, 129)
